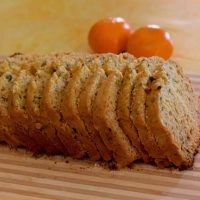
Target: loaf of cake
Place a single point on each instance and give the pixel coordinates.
(108, 107)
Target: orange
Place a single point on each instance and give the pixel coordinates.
(150, 41)
(109, 35)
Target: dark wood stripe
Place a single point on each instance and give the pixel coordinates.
(34, 194)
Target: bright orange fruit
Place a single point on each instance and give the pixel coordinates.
(150, 41)
(109, 35)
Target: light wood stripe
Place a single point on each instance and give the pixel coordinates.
(15, 196)
(24, 177)
(25, 194)
(46, 193)
(49, 193)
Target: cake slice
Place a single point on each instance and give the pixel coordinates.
(56, 87)
(51, 107)
(7, 130)
(17, 111)
(86, 101)
(67, 135)
(173, 114)
(14, 64)
(138, 112)
(70, 110)
(105, 120)
(124, 103)
(39, 125)
(109, 62)
(3, 136)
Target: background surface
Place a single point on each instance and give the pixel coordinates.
(41, 26)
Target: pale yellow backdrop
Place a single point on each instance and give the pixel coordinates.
(42, 26)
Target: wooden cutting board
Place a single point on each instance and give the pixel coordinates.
(25, 177)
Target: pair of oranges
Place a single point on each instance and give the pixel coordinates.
(115, 35)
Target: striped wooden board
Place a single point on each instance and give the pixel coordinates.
(24, 177)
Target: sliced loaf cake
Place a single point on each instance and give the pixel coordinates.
(51, 108)
(124, 103)
(39, 125)
(173, 114)
(67, 63)
(86, 101)
(111, 107)
(70, 110)
(138, 112)
(18, 113)
(7, 130)
(105, 120)
(14, 64)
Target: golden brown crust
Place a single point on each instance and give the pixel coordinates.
(105, 120)
(17, 110)
(51, 102)
(145, 70)
(68, 61)
(40, 128)
(70, 110)
(175, 111)
(6, 127)
(124, 103)
(13, 65)
(86, 101)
